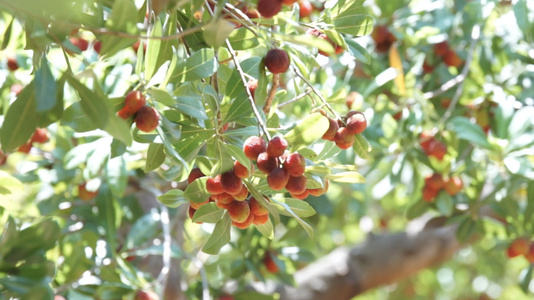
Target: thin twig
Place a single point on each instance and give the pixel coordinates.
(316, 92)
(274, 86)
(475, 35)
(250, 98)
(296, 98)
(445, 87)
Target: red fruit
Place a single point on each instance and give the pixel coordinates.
(441, 48)
(97, 46)
(259, 220)
(269, 263)
(453, 186)
(296, 185)
(530, 253)
(427, 67)
(245, 224)
(222, 205)
(295, 164)
(195, 173)
(252, 84)
(277, 179)
(16, 88)
(79, 43)
(3, 158)
(242, 195)
(343, 138)
(277, 146)
(59, 297)
(239, 211)
(383, 38)
(40, 135)
(435, 181)
(305, 8)
(452, 59)
(230, 183)
(302, 195)
(267, 163)
(12, 64)
(146, 295)
(84, 194)
(214, 186)
(147, 119)
(223, 198)
(425, 139)
(26, 147)
(437, 149)
(289, 2)
(253, 146)
(356, 123)
(518, 247)
(240, 170)
(269, 8)
(330, 134)
(125, 113)
(134, 101)
(317, 192)
(338, 49)
(197, 205)
(256, 208)
(277, 61)
(429, 193)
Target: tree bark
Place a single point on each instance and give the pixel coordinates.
(380, 260)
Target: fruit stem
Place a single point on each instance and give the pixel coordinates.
(307, 92)
(250, 98)
(316, 92)
(274, 86)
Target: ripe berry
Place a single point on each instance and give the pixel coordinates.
(214, 186)
(146, 295)
(230, 183)
(276, 146)
(296, 185)
(40, 135)
(97, 46)
(305, 8)
(79, 43)
(343, 138)
(147, 119)
(435, 181)
(197, 205)
(269, 8)
(453, 186)
(277, 61)
(441, 48)
(240, 170)
(84, 194)
(356, 123)
(295, 164)
(429, 193)
(242, 194)
(223, 198)
(277, 179)
(195, 173)
(518, 247)
(267, 163)
(330, 134)
(437, 149)
(252, 84)
(261, 219)
(239, 211)
(134, 101)
(302, 195)
(289, 2)
(383, 38)
(452, 59)
(245, 224)
(253, 146)
(425, 139)
(26, 148)
(256, 208)
(269, 263)
(12, 64)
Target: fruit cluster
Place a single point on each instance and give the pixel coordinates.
(146, 118)
(447, 54)
(342, 131)
(521, 246)
(435, 183)
(431, 146)
(317, 33)
(40, 135)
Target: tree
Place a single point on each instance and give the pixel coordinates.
(266, 149)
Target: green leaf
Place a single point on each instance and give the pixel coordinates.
(153, 50)
(142, 230)
(123, 18)
(521, 12)
(209, 213)
(524, 280)
(307, 131)
(162, 96)
(216, 32)
(239, 155)
(354, 21)
(173, 198)
(444, 203)
(358, 51)
(55, 113)
(191, 106)
(465, 229)
(196, 191)
(119, 129)
(45, 87)
(7, 34)
(242, 39)
(219, 237)
(416, 209)
(108, 216)
(299, 207)
(93, 106)
(469, 131)
(155, 156)
(217, 150)
(304, 225)
(116, 175)
(529, 210)
(346, 177)
(266, 229)
(201, 64)
(361, 146)
(20, 121)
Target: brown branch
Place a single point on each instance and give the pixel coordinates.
(274, 86)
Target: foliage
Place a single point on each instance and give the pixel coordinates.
(76, 60)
